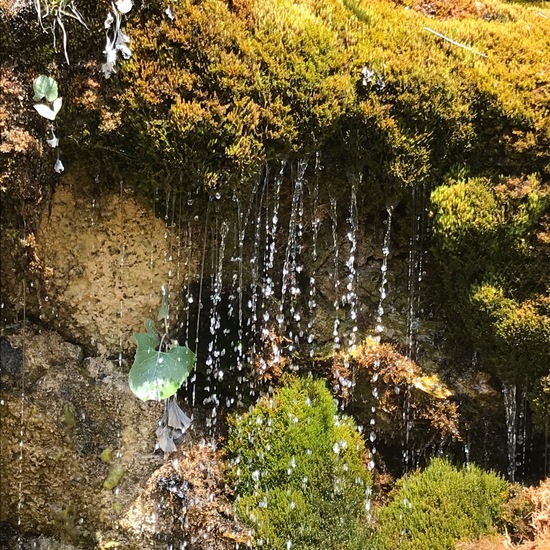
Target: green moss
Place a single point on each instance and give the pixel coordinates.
(467, 211)
(495, 272)
(106, 456)
(541, 406)
(213, 93)
(515, 336)
(433, 509)
(298, 470)
(115, 475)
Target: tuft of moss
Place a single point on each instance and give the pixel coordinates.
(297, 466)
(435, 508)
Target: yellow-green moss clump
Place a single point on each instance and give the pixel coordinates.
(439, 506)
(298, 471)
(216, 87)
(493, 256)
(221, 86)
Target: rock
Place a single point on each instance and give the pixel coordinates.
(379, 384)
(11, 364)
(187, 500)
(63, 436)
(101, 261)
(53, 434)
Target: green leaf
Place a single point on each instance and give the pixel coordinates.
(157, 375)
(45, 86)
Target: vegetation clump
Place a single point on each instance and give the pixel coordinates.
(298, 470)
(376, 375)
(435, 508)
(493, 261)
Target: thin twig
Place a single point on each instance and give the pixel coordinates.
(454, 42)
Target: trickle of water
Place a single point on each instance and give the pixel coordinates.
(335, 274)
(509, 392)
(522, 430)
(213, 369)
(255, 285)
(187, 282)
(350, 293)
(292, 266)
(199, 300)
(415, 264)
(384, 275)
(380, 329)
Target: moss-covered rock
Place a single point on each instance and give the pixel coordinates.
(493, 258)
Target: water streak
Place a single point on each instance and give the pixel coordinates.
(509, 392)
(379, 330)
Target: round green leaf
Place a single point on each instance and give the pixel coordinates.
(157, 375)
(45, 86)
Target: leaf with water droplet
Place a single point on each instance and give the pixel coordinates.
(157, 375)
(45, 86)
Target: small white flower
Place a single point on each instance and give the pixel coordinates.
(122, 38)
(53, 142)
(125, 51)
(108, 69)
(110, 53)
(367, 75)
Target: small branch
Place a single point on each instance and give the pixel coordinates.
(455, 43)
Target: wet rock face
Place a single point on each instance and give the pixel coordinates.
(66, 417)
(101, 262)
(11, 364)
(87, 473)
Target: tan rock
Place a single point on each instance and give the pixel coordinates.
(103, 262)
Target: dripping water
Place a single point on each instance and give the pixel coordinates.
(315, 225)
(509, 392)
(270, 342)
(335, 274)
(242, 225)
(214, 370)
(350, 293)
(292, 266)
(414, 281)
(253, 306)
(199, 298)
(379, 330)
